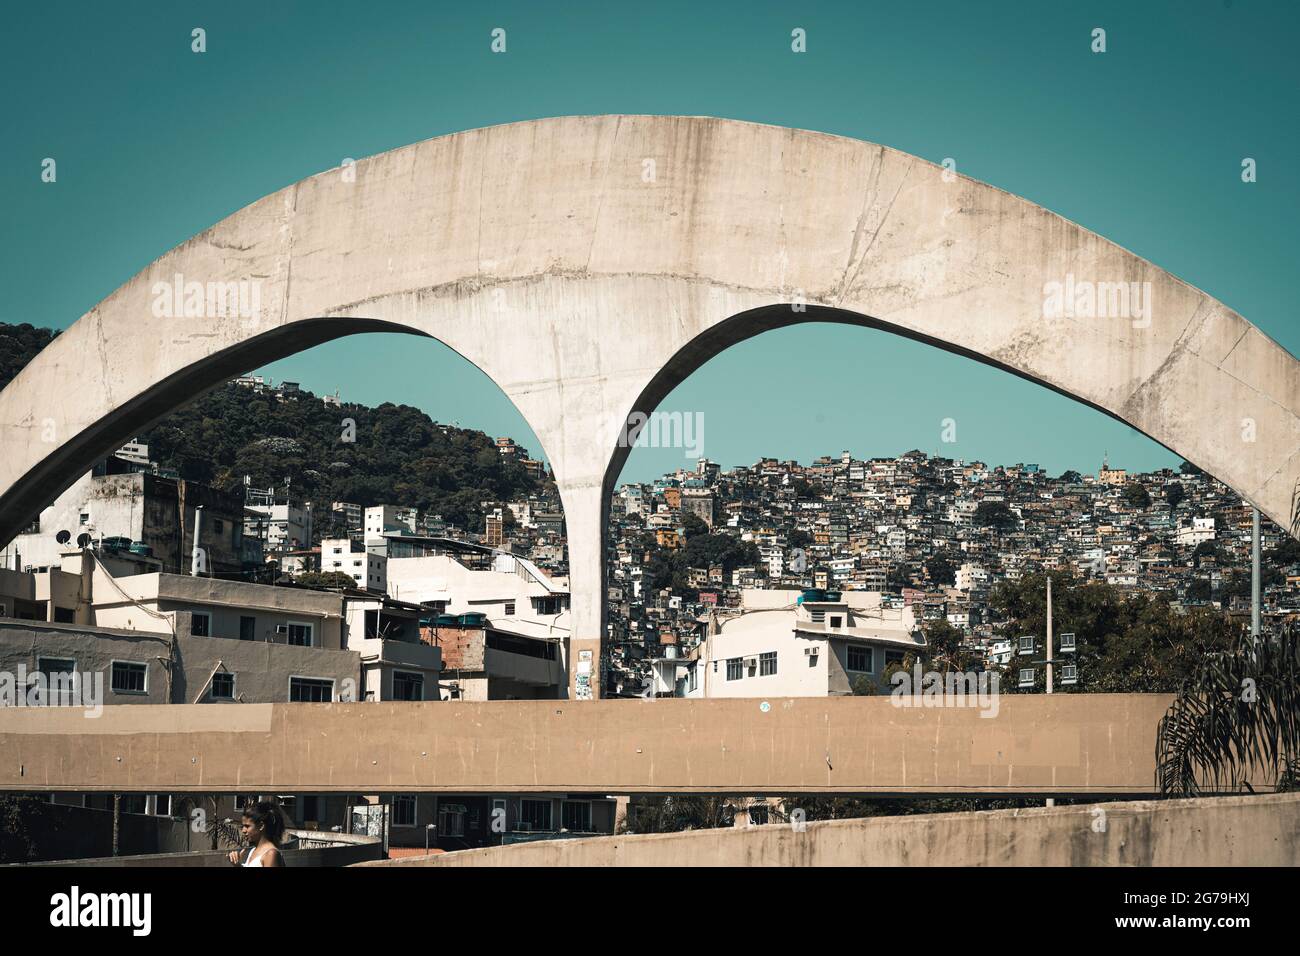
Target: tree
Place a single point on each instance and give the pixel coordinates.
(22, 817)
(941, 570)
(1187, 468)
(1136, 496)
(325, 579)
(672, 814)
(1071, 477)
(19, 344)
(1236, 719)
(1175, 494)
(994, 514)
(1135, 644)
(693, 525)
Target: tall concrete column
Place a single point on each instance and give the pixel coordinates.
(585, 513)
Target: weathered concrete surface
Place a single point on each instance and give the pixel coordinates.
(345, 849)
(1058, 745)
(1214, 831)
(541, 253)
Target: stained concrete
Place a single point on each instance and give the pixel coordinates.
(1216, 831)
(1058, 745)
(586, 287)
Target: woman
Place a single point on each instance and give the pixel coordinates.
(261, 828)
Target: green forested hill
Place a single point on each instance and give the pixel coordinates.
(18, 343)
(399, 455)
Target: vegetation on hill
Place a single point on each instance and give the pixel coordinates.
(18, 345)
(393, 454)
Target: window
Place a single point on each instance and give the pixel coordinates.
(408, 685)
(534, 814)
(1067, 641)
(1026, 645)
(694, 674)
(1026, 677)
(130, 677)
(404, 810)
(201, 624)
(132, 803)
(85, 517)
(247, 628)
(735, 668)
(64, 615)
(1069, 673)
(218, 526)
(60, 679)
(311, 690)
(162, 804)
(767, 664)
(576, 816)
(837, 620)
(451, 819)
(861, 659)
(300, 634)
(223, 687)
(288, 806)
(510, 608)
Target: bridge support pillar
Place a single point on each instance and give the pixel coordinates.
(585, 513)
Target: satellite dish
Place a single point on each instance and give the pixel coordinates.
(83, 540)
(63, 537)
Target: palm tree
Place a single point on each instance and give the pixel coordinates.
(1236, 719)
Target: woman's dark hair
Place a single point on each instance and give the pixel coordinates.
(267, 816)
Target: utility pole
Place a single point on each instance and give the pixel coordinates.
(1254, 576)
(1051, 801)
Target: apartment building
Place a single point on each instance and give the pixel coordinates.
(789, 643)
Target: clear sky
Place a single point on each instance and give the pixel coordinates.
(1142, 144)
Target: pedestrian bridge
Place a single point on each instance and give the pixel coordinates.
(1034, 745)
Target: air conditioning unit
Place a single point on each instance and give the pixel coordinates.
(751, 661)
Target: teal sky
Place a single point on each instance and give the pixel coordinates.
(1142, 144)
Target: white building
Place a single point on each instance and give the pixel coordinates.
(778, 645)
(368, 570)
(388, 518)
(285, 527)
(1200, 530)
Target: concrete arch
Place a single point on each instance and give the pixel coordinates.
(572, 259)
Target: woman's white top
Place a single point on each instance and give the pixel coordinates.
(255, 862)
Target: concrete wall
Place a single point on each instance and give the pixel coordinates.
(348, 851)
(1219, 831)
(1035, 745)
(537, 251)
